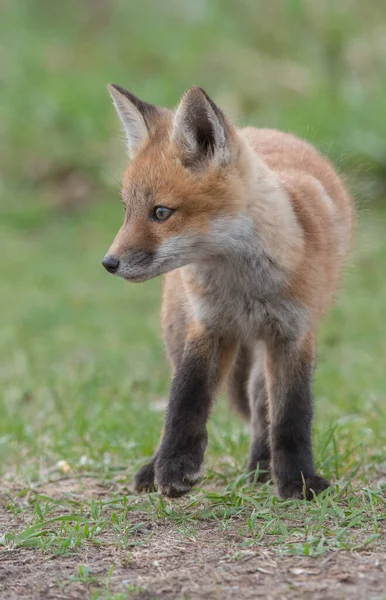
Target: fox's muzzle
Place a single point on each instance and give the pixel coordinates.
(133, 264)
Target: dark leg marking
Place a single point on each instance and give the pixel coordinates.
(174, 332)
(179, 458)
(290, 390)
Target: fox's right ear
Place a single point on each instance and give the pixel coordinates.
(136, 116)
(201, 131)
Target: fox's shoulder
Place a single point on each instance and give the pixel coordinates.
(298, 164)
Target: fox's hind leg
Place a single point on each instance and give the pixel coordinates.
(259, 453)
(248, 395)
(238, 383)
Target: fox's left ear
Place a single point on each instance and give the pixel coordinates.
(136, 116)
(200, 130)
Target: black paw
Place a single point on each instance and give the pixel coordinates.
(176, 475)
(144, 479)
(301, 490)
(264, 473)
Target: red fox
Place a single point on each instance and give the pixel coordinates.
(251, 228)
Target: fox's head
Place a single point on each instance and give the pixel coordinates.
(183, 187)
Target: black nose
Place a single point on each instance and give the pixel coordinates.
(110, 263)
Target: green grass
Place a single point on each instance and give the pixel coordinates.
(345, 518)
(82, 367)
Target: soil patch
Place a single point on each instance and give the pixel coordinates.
(167, 563)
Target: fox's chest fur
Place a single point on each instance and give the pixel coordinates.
(243, 293)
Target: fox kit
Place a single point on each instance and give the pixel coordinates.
(251, 228)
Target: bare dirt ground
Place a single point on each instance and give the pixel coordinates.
(211, 565)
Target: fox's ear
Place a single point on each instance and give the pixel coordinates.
(136, 116)
(200, 130)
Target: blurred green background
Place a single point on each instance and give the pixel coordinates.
(317, 68)
(82, 359)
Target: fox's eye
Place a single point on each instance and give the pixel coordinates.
(161, 213)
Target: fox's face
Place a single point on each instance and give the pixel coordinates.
(182, 187)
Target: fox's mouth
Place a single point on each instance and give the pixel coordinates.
(152, 273)
(138, 278)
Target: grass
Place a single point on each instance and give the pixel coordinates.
(82, 368)
(343, 519)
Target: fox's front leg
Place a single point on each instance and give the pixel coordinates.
(205, 361)
(289, 371)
